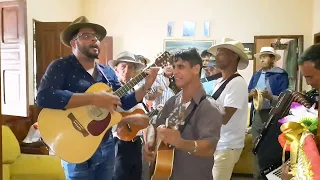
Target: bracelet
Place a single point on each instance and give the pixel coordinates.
(195, 147)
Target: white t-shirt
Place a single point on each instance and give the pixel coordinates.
(234, 95)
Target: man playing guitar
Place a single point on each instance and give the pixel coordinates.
(65, 81)
(128, 162)
(195, 146)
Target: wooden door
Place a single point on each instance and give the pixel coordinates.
(106, 49)
(48, 45)
(317, 38)
(13, 44)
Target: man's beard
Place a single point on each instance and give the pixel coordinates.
(85, 50)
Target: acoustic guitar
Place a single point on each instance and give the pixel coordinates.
(130, 132)
(161, 168)
(74, 134)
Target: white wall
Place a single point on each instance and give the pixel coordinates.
(316, 16)
(47, 11)
(140, 25)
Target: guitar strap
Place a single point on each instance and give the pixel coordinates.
(101, 71)
(221, 88)
(181, 128)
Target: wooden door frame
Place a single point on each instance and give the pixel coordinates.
(315, 37)
(23, 2)
(300, 39)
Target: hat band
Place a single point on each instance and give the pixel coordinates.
(267, 52)
(126, 58)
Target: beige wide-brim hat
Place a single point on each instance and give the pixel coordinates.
(267, 50)
(81, 22)
(235, 46)
(126, 56)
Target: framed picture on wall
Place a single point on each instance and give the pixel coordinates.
(189, 28)
(248, 49)
(172, 46)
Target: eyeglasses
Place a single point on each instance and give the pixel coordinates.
(87, 36)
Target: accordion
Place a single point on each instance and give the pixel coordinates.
(266, 146)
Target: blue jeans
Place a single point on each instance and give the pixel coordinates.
(99, 167)
(128, 163)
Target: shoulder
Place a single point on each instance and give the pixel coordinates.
(210, 107)
(278, 70)
(237, 86)
(61, 63)
(209, 103)
(238, 82)
(107, 70)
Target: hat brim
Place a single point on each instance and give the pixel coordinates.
(277, 56)
(65, 35)
(244, 61)
(114, 63)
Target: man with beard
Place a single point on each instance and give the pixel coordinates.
(65, 81)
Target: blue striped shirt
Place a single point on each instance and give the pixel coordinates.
(161, 81)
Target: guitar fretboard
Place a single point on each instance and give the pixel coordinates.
(129, 85)
(135, 80)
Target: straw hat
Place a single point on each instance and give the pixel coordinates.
(127, 56)
(80, 22)
(267, 50)
(235, 46)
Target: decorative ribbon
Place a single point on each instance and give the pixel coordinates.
(294, 133)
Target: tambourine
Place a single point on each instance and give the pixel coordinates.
(258, 101)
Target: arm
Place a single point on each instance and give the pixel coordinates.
(250, 87)
(208, 128)
(130, 100)
(51, 95)
(152, 95)
(235, 98)
(283, 85)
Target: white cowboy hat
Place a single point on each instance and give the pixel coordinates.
(126, 56)
(236, 47)
(267, 50)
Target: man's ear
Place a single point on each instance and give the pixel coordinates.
(196, 69)
(73, 43)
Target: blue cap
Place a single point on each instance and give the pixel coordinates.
(210, 64)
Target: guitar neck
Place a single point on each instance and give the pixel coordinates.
(152, 113)
(130, 84)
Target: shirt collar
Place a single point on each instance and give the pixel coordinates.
(197, 96)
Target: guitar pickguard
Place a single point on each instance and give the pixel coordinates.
(96, 127)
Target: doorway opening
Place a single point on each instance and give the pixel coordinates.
(289, 47)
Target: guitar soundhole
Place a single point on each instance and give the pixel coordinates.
(96, 127)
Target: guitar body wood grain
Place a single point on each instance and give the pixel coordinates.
(162, 167)
(127, 134)
(67, 132)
